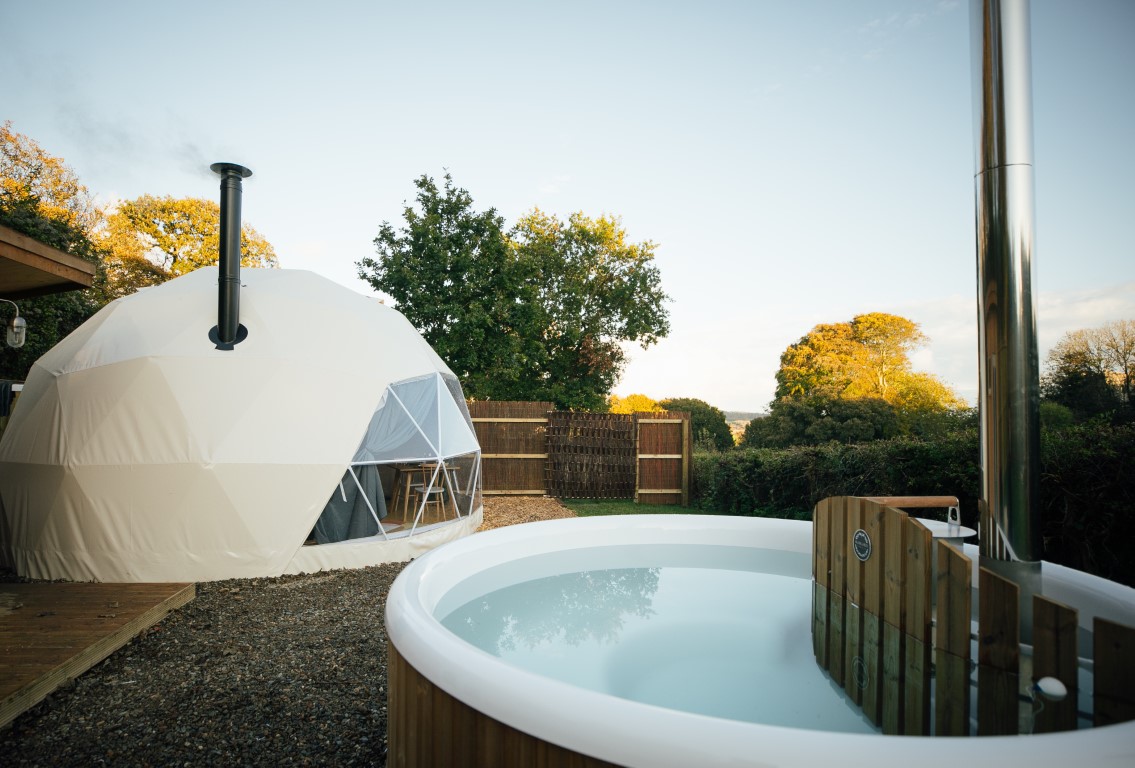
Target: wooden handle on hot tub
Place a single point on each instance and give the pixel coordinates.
(919, 502)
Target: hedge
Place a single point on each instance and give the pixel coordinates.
(1087, 487)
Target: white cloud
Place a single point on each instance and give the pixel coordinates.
(553, 185)
(736, 371)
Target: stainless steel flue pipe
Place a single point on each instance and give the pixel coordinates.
(1008, 370)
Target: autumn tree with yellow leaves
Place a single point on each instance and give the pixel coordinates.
(41, 197)
(852, 382)
(633, 403)
(152, 239)
(137, 243)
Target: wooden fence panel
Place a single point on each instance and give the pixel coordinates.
(662, 454)
(513, 446)
(529, 449)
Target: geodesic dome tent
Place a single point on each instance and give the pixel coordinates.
(139, 451)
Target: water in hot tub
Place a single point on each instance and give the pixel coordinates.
(721, 641)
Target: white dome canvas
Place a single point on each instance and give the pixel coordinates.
(138, 451)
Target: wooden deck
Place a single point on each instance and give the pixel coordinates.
(52, 632)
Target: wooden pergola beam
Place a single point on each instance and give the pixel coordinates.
(29, 268)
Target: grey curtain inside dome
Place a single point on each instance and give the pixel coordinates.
(350, 518)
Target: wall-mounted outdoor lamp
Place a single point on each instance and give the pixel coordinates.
(17, 328)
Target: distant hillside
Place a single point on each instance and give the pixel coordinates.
(738, 420)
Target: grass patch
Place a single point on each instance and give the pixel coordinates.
(595, 507)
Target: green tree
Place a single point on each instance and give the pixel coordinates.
(595, 290)
(534, 314)
(1089, 371)
(41, 197)
(707, 423)
(1054, 416)
(1118, 341)
(451, 272)
(822, 418)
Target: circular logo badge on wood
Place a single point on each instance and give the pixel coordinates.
(859, 673)
(861, 544)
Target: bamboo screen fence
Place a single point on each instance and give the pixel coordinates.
(591, 455)
(513, 438)
(873, 630)
(529, 449)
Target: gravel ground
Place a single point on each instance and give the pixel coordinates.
(274, 672)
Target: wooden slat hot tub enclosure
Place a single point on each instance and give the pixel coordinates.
(428, 727)
(52, 632)
(872, 632)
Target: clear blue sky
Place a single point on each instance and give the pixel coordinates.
(796, 162)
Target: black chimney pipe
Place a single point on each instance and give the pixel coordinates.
(228, 332)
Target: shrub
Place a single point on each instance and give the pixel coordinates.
(792, 480)
(1087, 489)
(707, 423)
(1088, 499)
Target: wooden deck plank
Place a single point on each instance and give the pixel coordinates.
(51, 632)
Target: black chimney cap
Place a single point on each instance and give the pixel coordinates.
(222, 167)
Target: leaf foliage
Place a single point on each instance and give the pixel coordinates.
(537, 312)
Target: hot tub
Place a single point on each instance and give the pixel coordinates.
(454, 703)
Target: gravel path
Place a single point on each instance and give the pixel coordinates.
(257, 672)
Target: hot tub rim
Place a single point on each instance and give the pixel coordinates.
(635, 734)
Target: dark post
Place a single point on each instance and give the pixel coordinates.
(228, 331)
